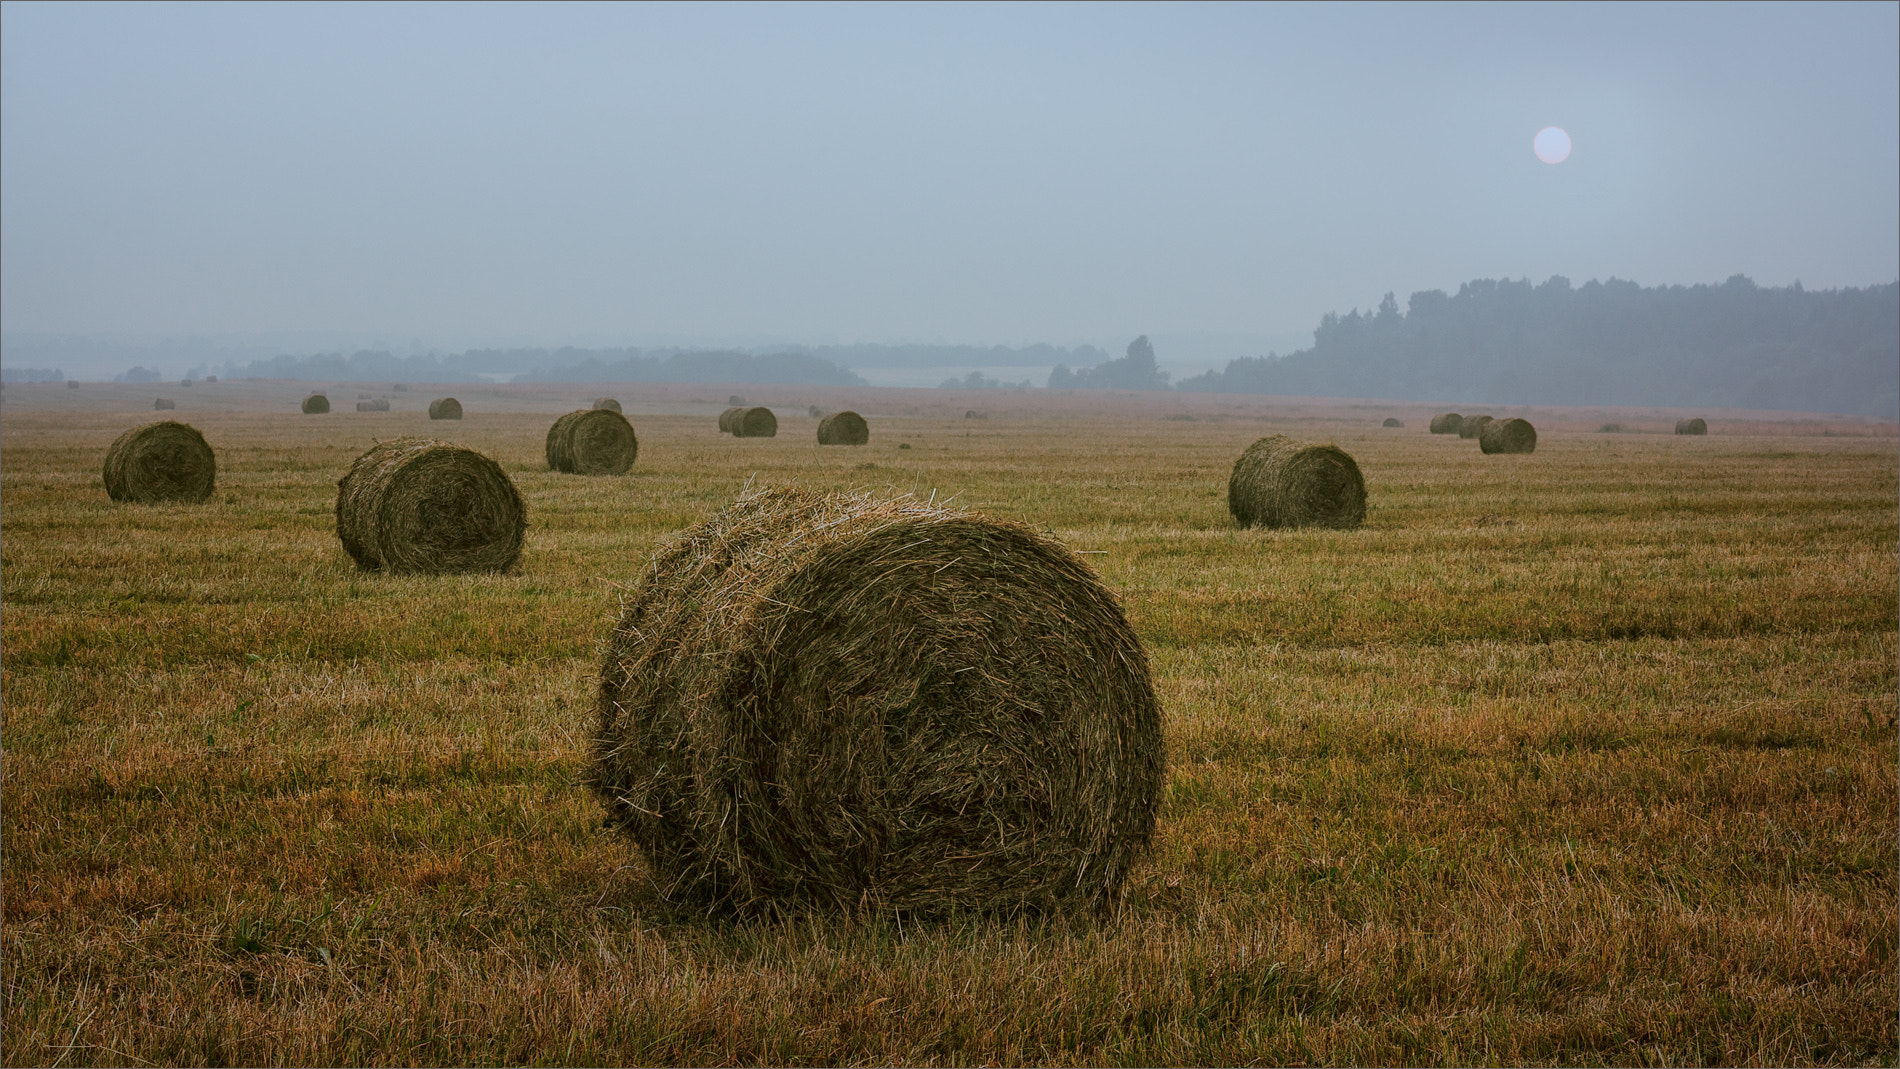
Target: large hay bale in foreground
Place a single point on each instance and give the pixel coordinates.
(445, 408)
(755, 422)
(832, 702)
(315, 405)
(843, 428)
(1697, 425)
(1279, 482)
(416, 505)
(592, 441)
(1392, 421)
(1508, 436)
(164, 404)
(608, 403)
(1472, 426)
(161, 462)
(726, 418)
(1447, 423)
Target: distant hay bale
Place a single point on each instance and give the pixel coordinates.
(972, 413)
(1697, 425)
(164, 404)
(372, 406)
(1446, 423)
(592, 441)
(607, 403)
(1392, 421)
(400, 388)
(211, 378)
(161, 462)
(184, 382)
(445, 408)
(838, 703)
(419, 506)
(1278, 482)
(754, 422)
(315, 405)
(1508, 436)
(1612, 428)
(736, 401)
(843, 428)
(1472, 426)
(815, 412)
(72, 384)
(362, 397)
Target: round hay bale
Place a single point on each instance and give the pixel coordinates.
(211, 378)
(607, 403)
(315, 405)
(1446, 423)
(1508, 436)
(164, 404)
(416, 505)
(1612, 428)
(72, 384)
(971, 413)
(815, 412)
(755, 423)
(445, 408)
(592, 441)
(1697, 425)
(736, 401)
(161, 462)
(726, 417)
(400, 388)
(843, 428)
(1279, 482)
(366, 406)
(834, 702)
(1392, 421)
(1472, 426)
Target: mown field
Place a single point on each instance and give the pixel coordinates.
(1581, 757)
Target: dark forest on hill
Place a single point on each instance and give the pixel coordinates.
(1502, 342)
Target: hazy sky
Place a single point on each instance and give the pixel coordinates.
(967, 174)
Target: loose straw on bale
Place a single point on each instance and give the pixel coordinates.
(1472, 426)
(833, 702)
(843, 428)
(161, 462)
(607, 403)
(1279, 482)
(752, 422)
(1698, 425)
(445, 408)
(315, 405)
(1508, 436)
(1447, 423)
(592, 441)
(416, 505)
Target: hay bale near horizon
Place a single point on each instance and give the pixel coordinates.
(843, 428)
(421, 506)
(1279, 482)
(372, 406)
(1472, 426)
(445, 408)
(315, 405)
(753, 422)
(1695, 425)
(1392, 421)
(592, 441)
(72, 384)
(211, 378)
(736, 401)
(164, 404)
(160, 463)
(608, 403)
(1446, 423)
(971, 413)
(829, 702)
(1511, 435)
(815, 412)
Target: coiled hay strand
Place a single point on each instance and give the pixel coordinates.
(445, 408)
(164, 404)
(592, 441)
(1508, 436)
(1279, 482)
(1392, 421)
(1472, 426)
(416, 505)
(607, 403)
(315, 405)
(1446, 423)
(755, 422)
(1697, 425)
(161, 462)
(726, 418)
(834, 702)
(843, 428)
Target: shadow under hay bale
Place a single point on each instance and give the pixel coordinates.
(607, 403)
(419, 506)
(164, 404)
(1697, 425)
(843, 428)
(161, 462)
(592, 441)
(1446, 423)
(1508, 436)
(315, 405)
(1392, 421)
(445, 408)
(755, 422)
(1278, 482)
(831, 702)
(372, 406)
(1472, 426)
